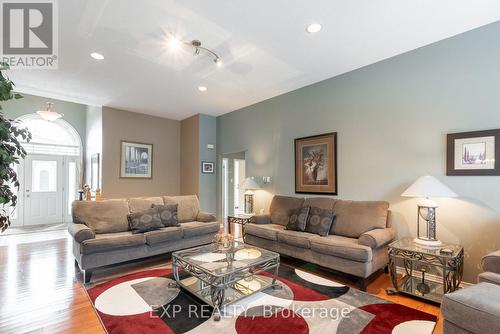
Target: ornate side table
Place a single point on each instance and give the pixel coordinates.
(240, 219)
(427, 273)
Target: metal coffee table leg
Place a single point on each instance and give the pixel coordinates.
(217, 296)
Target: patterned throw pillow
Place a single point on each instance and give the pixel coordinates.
(168, 214)
(298, 219)
(319, 221)
(144, 221)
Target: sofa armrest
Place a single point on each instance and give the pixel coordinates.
(491, 262)
(206, 217)
(378, 237)
(260, 219)
(80, 232)
(489, 277)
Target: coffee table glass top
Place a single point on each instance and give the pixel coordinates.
(218, 261)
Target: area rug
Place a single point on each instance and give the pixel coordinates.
(145, 303)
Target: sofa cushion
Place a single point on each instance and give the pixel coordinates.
(187, 207)
(266, 231)
(112, 241)
(281, 208)
(107, 216)
(298, 219)
(354, 218)
(144, 221)
(319, 221)
(165, 234)
(346, 248)
(320, 202)
(139, 204)
(296, 238)
(194, 229)
(168, 214)
(475, 308)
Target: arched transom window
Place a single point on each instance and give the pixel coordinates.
(51, 137)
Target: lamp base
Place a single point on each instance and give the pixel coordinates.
(428, 242)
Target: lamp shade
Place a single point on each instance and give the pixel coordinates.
(428, 186)
(249, 184)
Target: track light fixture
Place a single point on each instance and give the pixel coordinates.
(174, 42)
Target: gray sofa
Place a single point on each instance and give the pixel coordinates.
(101, 233)
(475, 309)
(356, 244)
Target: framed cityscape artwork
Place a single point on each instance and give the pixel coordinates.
(316, 164)
(473, 153)
(136, 160)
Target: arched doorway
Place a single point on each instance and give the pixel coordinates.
(51, 173)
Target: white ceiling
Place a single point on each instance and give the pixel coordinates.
(263, 45)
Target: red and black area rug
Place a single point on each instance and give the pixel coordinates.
(145, 303)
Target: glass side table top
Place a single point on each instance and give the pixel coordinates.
(407, 244)
(213, 259)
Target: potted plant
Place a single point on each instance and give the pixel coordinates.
(10, 150)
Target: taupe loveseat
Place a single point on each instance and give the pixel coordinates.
(356, 244)
(102, 236)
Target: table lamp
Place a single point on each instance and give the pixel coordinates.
(428, 187)
(249, 185)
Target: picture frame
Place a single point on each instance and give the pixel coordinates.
(95, 162)
(136, 160)
(473, 153)
(207, 167)
(316, 164)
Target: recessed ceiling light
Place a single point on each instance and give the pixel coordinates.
(313, 27)
(202, 89)
(97, 56)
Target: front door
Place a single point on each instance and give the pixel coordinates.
(43, 189)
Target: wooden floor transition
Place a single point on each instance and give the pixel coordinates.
(41, 292)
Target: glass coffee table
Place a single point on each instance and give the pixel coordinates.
(221, 276)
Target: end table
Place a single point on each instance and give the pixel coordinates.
(426, 273)
(240, 219)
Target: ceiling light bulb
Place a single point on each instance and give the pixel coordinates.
(174, 43)
(202, 89)
(218, 62)
(97, 56)
(314, 27)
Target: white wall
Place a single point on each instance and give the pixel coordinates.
(93, 140)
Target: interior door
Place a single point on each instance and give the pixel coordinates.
(43, 190)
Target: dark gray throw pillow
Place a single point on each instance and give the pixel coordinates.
(298, 219)
(319, 221)
(168, 214)
(144, 221)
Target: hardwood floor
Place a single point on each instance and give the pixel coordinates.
(40, 292)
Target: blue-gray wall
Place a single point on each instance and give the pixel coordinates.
(74, 113)
(207, 182)
(392, 118)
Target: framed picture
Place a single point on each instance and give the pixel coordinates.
(473, 153)
(316, 164)
(94, 171)
(207, 167)
(136, 160)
